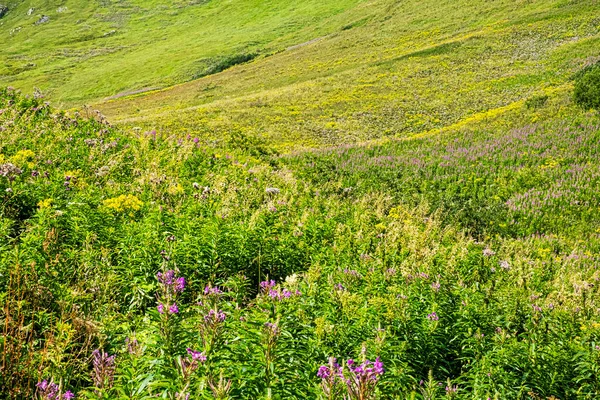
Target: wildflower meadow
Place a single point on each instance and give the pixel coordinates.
(333, 200)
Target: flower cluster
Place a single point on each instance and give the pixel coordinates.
(331, 375)
(104, 369)
(187, 366)
(359, 380)
(9, 171)
(352, 273)
(433, 316)
(170, 287)
(283, 294)
(123, 203)
(24, 158)
(68, 181)
(272, 329)
(212, 291)
(367, 370)
(50, 391)
(191, 363)
(266, 286)
(215, 317)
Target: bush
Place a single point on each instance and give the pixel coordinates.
(587, 88)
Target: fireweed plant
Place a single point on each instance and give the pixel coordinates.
(460, 265)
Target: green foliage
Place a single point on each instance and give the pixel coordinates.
(358, 273)
(214, 66)
(587, 88)
(460, 247)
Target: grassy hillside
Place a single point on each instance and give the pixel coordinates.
(366, 240)
(92, 50)
(402, 69)
(410, 183)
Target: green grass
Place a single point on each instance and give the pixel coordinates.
(416, 174)
(94, 50)
(408, 68)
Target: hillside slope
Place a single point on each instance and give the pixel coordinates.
(92, 50)
(402, 68)
(407, 182)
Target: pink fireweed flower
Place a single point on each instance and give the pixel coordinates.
(166, 278)
(187, 365)
(104, 369)
(170, 286)
(359, 379)
(504, 265)
(212, 291)
(487, 252)
(196, 355)
(272, 328)
(68, 395)
(277, 294)
(352, 272)
(433, 317)
(451, 389)
(215, 316)
(47, 390)
(266, 286)
(179, 284)
(133, 347)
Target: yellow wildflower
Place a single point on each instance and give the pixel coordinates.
(123, 203)
(43, 204)
(23, 157)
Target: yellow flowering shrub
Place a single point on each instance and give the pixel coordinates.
(123, 203)
(23, 158)
(43, 204)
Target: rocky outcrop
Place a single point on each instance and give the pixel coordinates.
(43, 19)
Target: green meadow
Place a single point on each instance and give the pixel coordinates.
(349, 200)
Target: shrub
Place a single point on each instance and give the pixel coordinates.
(587, 88)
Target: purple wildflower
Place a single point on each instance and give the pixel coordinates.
(196, 355)
(132, 345)
(212, 291)
(48, 390)
(451, 389)
(170, 286)
(104, 369)
(214, 316)
(324, 372)
(68, 395)
(272, 328)
(265, 286)
(433, 316)
(179, 284)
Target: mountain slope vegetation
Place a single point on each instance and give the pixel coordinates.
(274, 200)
